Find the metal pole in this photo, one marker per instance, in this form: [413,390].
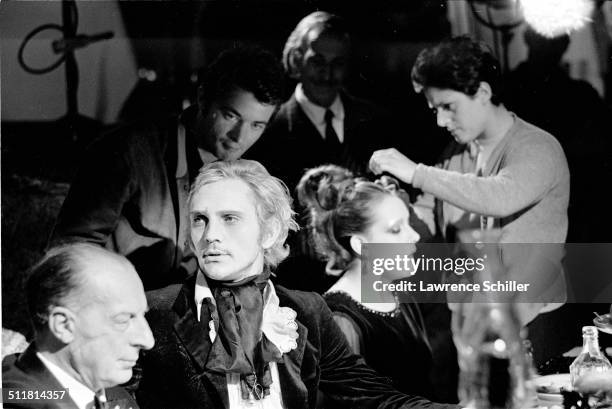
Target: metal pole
[69,17]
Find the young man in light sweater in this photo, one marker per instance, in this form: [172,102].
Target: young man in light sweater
[500,172]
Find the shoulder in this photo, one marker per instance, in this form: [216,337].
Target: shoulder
[361,107]
[277,126]
[309,306]
[529,137]
[282,117]
[286,109]
[15,375]
[136,136]
[119,397]
[163,298]
[161,302]
[356,102]
[336,299]
[11,374]
[299,299]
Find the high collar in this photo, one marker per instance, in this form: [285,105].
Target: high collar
[193,334]
[273,317]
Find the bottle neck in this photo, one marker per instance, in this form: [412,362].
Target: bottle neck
[590,345]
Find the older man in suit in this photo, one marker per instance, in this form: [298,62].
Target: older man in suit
[229,338]
[320,123]
[87,306]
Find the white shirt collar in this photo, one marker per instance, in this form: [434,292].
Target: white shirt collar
[315,112]
[79,393]
[202,291]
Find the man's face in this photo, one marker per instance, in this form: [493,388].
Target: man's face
[232,123]
[110,327]
[323,66]
[225,231]
[462,115]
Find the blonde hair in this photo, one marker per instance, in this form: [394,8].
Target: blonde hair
[273,202]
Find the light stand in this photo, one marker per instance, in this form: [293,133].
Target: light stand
[66,47]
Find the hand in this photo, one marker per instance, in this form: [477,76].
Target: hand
[393,162]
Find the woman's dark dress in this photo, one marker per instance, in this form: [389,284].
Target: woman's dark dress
[394,343]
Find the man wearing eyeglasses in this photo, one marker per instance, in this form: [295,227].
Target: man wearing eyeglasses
[131,192]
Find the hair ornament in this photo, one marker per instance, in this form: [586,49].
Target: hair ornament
[330,195]
[388,183]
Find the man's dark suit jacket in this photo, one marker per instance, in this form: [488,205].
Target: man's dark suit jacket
[126,197]
[174,372]
[26,371]
[291,143]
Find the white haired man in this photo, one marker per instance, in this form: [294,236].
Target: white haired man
[231,338]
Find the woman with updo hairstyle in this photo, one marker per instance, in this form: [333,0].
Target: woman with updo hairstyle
[345,212]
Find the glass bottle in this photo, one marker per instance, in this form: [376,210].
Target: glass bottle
[493,364]
[494,370]
[591,357]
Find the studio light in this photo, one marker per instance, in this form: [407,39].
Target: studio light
[552,18]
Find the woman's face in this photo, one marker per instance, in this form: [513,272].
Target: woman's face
[389,223]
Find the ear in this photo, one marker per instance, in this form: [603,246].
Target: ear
[295,63]
[484,92]
[271,233]
[62,324]
[355,242]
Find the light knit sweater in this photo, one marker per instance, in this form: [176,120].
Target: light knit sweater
[523,190]
[524,187]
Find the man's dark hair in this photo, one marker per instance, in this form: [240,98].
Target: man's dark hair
[50,282]
[459,64]
[252,69]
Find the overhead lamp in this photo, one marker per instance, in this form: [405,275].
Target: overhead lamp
[552,18]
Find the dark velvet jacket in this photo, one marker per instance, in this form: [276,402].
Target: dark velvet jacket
[126,197]
[174,375]
[27,372]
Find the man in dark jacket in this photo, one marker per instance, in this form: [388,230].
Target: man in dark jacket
[87,306]
[130,193]
[229,338]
